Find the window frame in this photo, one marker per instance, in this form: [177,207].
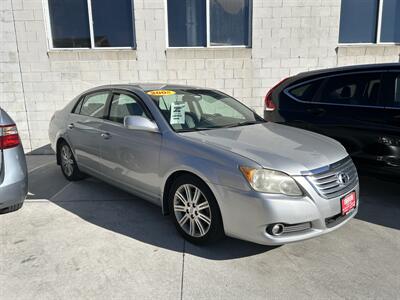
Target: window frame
[389,84]
[90,94]
[377,33]
[321,87]
[208,34]
[79,102]
[49,35]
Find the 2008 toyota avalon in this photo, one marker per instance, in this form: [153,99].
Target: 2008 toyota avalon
[209,161]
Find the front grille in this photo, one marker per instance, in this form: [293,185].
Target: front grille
[340,178]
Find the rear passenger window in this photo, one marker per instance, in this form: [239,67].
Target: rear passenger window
[355,89]
[307,91]
[94,104]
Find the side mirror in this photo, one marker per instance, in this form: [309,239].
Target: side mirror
[140,123]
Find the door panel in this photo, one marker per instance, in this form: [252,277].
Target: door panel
[130,157]
[391,140]
[353,114]
[84,130]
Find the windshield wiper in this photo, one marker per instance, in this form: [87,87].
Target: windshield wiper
[194,129]
[245,123]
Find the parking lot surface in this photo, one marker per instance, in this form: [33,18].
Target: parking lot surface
[89,240]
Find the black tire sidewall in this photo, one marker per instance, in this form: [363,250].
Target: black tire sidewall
[216,231]
[11,208]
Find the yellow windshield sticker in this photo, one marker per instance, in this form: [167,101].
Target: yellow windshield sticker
[161,93]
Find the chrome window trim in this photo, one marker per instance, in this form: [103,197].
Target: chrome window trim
[287,90]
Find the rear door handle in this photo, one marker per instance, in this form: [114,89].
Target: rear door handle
[70,126]
[106,135]
[316,111]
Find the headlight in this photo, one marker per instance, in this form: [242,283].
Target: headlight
[269,181]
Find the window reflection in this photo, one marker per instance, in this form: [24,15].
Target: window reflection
[229,22]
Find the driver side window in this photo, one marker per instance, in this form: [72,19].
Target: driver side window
[123,105]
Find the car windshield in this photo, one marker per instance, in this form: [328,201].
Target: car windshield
[201,109]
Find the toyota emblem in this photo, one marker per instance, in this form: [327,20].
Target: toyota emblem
[343,179]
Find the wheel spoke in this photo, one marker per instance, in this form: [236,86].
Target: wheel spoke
[203,206]
[204,218]
[180,208]
[184,220]
[188,193]
[196,196]
[181,197]
[191,227]
[200,226]
[69,167]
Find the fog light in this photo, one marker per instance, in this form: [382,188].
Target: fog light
[277,229]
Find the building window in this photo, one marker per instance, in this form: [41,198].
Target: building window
[390,25]
[369,21]
[209,23]
[91,24]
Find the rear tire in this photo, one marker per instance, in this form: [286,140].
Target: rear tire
[68,164]
[11,208]
[195,211]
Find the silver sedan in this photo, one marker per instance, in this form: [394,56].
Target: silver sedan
[13,170]
[209,161]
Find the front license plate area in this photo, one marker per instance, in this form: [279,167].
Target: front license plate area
[348,203]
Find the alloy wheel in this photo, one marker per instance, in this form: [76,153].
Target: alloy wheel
[192,210]
[67,162]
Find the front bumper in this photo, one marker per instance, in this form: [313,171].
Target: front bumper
[247,214]
[14,177]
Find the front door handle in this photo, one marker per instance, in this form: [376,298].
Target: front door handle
[106,135]
[70,126]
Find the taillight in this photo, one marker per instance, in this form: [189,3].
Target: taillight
[9,137]
[269,103]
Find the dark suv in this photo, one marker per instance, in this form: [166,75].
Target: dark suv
[358,106]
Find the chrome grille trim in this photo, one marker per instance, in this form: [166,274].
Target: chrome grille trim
[326,183]
[297,227]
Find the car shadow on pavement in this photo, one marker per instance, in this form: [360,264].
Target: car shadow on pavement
[113,209]
[380,200]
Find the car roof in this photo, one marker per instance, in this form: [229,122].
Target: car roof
[145,87]
[355,68]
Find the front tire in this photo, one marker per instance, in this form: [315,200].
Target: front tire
[11,208]
[195,211]
[68,164]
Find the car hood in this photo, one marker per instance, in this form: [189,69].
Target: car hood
[274,146]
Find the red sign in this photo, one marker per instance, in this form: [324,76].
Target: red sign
[348,203]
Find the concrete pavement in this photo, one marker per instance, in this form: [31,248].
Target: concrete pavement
[88,240]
